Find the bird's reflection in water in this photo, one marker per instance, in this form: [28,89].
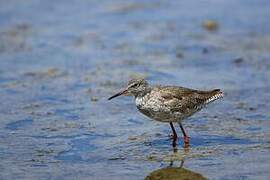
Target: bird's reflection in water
[175,172]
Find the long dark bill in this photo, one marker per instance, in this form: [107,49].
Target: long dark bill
[118,94]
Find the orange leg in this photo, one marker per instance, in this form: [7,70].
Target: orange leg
[186,138]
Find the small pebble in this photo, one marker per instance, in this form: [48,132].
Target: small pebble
[179,55]
[94,99]
[205,50]
[210,25]
[238,60]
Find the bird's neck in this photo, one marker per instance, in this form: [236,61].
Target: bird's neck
[141,99]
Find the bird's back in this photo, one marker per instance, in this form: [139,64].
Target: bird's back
[174,103]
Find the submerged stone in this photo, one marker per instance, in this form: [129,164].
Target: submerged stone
[174,173]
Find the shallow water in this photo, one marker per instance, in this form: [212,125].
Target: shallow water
[60,61]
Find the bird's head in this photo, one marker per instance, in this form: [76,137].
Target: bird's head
[135,88]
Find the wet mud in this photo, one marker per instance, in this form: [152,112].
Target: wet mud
[60,61]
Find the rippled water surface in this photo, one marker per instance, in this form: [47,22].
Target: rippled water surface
[61,60]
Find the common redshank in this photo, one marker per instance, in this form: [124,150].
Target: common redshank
[170,104]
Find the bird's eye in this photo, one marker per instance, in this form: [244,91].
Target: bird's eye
[134,85]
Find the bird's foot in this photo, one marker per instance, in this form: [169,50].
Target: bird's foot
[173,137]
[186,140]
[174,143]
[186,148]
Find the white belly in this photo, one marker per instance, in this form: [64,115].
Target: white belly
[155,109]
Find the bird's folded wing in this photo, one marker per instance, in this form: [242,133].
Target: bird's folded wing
[185,100]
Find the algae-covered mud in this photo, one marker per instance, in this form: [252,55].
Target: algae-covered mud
[61,60]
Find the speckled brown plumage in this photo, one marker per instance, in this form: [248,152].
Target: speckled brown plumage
[172,103]
[168,103]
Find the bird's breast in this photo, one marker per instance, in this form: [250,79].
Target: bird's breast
[152,107]
[141,101]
